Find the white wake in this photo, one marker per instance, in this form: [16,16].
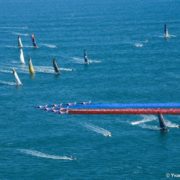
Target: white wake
[38,69]
[48,45]
[138,45]
[79,60]
[169,36]
[49,69]
[5,71]
[10,46]
[43,155]
[149,118]
[151,127]
[97,129]
[146,118]
[171,124]
[8,83]
[20,34]
[13,27]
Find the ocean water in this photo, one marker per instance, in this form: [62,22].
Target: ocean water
[130,62]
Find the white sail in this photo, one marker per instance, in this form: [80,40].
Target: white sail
[18,81]
[20,42]
[22,56]
[166,33]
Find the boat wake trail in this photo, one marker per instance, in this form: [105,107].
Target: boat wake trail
[49,69]
[39,69]
[78,60]
[8,83]
[5,71]
[169,36]
[97,129]
[16,47]
[12,27]
[43,155]
[171,125]
[20,34]
[21,69]
[146,118]
[52,46]
[151,127]
[9,46]
[44,69]
[149,118]
[138,45]
[66,69]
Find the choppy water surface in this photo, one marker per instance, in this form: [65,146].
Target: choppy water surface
[130,62]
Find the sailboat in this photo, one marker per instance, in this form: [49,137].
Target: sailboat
[55,65]
[22,56]
[86,61]
[31,68]
[162,123]
[20,45]
[166,33]
[18,81]
[34,41]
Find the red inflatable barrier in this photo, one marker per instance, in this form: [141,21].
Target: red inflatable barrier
[172,111]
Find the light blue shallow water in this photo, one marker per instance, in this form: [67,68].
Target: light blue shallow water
[130,63]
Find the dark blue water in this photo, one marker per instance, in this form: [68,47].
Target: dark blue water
[130,62]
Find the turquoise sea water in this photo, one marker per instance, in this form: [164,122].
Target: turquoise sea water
[130,63]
